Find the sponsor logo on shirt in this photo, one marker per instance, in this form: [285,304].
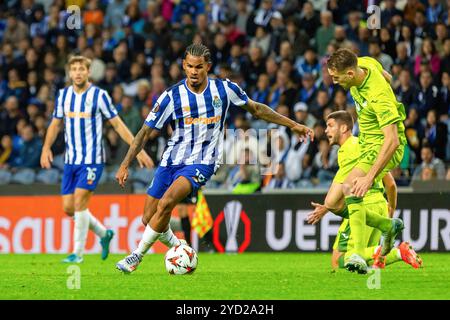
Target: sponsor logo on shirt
[202,120]
[73,114]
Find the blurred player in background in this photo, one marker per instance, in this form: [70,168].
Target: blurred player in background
[382,141]
[339,131]
[197,108]
[82,107]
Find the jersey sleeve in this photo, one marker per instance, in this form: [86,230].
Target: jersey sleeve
[367,62]
[58,112]
[106,106]
[385,108]
[161,112]
[237,96]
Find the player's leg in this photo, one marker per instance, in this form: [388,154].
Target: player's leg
[340,245]
[158,224]
[68,204]
[168,238]
[87,177]
[357,221]
[183,213]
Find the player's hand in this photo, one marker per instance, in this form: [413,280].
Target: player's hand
[361,185]
[46,158]
[144,160]
[122,175]
[303,131]
[319,211]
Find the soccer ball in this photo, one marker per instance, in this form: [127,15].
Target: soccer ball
[181,259]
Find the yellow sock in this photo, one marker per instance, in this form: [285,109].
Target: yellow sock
[357,220]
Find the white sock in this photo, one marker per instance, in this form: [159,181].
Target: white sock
[80,231]
[148,239]
[169,239]
[96,226]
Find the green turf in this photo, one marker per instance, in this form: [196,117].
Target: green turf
[244,276]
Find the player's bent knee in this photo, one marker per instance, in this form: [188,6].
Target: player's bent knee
[347,189]
[165,205]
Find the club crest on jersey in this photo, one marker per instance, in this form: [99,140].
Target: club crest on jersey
[217,102]
[88,103]
[186,109]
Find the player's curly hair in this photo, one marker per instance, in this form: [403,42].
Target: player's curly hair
[342,59]
[198,50]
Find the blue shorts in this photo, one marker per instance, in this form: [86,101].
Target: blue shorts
[197,174]
[83,176]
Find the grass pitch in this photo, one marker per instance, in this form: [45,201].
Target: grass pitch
[220,277]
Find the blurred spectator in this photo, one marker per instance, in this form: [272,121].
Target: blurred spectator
[325,32]
[262,40]
[429,161]
[428,96]
[309,19]
[406,92]
[324,165]
[412,6]
[16,30]
[245,177]
[302,116]
[389,12]
[308,90]
[429,54]
[376,53]
[30,150]
[130,115]
[414,131]
[5,151]
[282,92]
[262,91]
[436,134]
[10,117]
[298,38]
[308,63]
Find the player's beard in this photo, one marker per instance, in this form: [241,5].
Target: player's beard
[81,85]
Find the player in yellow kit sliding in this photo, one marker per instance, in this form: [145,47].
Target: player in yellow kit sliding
[339,131]
[382,140]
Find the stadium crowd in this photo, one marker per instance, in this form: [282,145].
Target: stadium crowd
[275,50]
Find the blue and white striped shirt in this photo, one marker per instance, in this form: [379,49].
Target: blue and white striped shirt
[83,116]
[197,119]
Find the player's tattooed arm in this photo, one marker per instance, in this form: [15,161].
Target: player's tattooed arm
[137,144]
[264,112]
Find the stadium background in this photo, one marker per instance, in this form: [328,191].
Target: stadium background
[275,50]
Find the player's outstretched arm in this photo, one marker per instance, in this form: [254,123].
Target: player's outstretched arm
[334,202]
[50,137]
[123,131]
[391,142]
[387,76]
[391,192]
[135,147]
[264,112]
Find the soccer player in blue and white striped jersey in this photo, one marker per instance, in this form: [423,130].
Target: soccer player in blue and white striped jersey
[196,108]
[81,108]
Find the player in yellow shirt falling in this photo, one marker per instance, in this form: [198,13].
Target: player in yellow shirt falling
[339,132]
[382,141]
